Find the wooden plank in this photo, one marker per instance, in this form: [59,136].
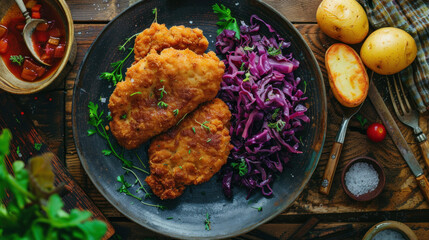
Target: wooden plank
[46,111]
[106,10]
[129,230]
[25,136]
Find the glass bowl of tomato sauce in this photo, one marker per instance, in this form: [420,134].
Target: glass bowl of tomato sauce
[54,42]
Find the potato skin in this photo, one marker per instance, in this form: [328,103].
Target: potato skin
[344,20]
[388,50]
[347,75]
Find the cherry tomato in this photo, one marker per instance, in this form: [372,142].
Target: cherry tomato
[376,132]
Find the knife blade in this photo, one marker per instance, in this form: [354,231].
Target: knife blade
[399,140]
[393,130]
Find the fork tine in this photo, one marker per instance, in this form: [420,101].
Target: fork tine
[392,98]
[398,94]
[403,92]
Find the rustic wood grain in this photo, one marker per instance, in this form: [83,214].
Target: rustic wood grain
[357,230]
[25,136]
[303,11]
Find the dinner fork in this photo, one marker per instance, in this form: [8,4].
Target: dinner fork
[407,115]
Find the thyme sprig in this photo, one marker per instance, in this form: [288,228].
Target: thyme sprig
[96,120]
[116,75]
[207,222]
[124,188]
[203,125]
[18,59]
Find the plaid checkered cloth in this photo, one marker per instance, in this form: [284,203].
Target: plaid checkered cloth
[413,17]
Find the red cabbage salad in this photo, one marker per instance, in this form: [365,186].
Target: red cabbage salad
[267,106]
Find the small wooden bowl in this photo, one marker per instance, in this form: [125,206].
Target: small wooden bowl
[12,84]
[381,179]
[390,225]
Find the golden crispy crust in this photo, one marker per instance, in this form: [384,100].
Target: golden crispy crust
[188,80]
[158,37]
[182,156]
[347,75]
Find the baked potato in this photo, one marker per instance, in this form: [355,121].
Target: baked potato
[347,75]
[344,20]
[388,50]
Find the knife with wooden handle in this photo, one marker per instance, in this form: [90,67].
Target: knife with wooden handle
[398,139]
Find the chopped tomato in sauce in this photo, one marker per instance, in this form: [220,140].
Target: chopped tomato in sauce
[48,39]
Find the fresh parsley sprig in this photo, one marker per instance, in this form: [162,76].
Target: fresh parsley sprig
[207,222]
[29,214]
[122,47]
[96,120]
[116,75]
[274,51]
[241,167]
[124,188]
[278,126]
[203,125]
[18,59]
[226,21]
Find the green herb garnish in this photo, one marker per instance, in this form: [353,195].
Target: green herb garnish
[124,188]
[207,222]
[258,208]
[122,47]
[193,130]
[169,218]
[116,75]
[278,126]
[96,120]
[18,152]
[203,125]
[124,116]
[242,67]
[162,92]
[241,167]
[361,120]
[181,119]
[37,146]
[106,152]
[176,112]
[274,51]
[209,140]
[247,78]
[275,114]
[155,12]
[247,48]
[162,104]
[305,86]
[135,93]
[18,59]
[226,21]
[189,152]
[33,209]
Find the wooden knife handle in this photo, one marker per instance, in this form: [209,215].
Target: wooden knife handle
[424,186]
[328,176]
[424,146]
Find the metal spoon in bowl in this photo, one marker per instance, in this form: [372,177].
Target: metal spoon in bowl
[30,25]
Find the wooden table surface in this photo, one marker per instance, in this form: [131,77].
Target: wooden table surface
[401,200]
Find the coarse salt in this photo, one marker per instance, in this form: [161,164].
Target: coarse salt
[361,178]
[388,235]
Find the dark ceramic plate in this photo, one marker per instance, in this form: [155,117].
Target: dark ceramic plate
[188,212]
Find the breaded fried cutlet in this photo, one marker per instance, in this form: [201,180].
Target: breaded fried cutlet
[159,90]
[192,152]
[159,37]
